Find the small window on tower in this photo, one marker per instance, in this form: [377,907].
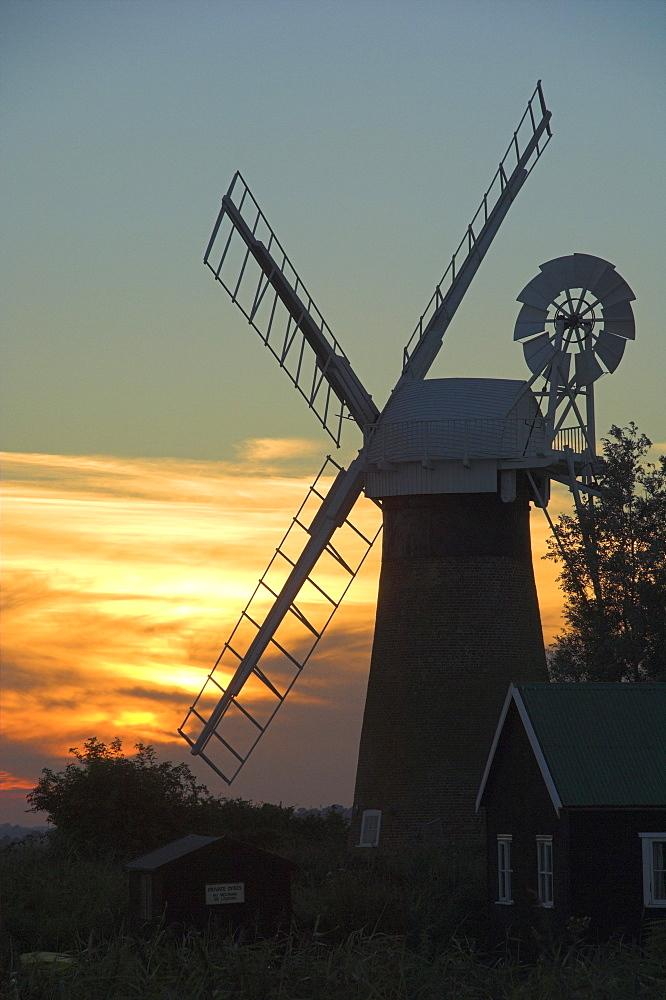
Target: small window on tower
[370,828]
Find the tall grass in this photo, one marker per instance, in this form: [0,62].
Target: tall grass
[53,898]
[363,929]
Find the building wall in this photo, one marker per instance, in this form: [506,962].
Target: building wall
[607,868]
[517,802]
[450,476]
[457,620]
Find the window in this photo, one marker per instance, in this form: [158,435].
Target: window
[370,827]
[654,868]
[504,868]
[545,870]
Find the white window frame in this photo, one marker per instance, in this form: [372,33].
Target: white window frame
[650,888]
[504,869]
[370,824]
[545,870]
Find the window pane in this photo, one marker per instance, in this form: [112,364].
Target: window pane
[501,868]
[658,873]
[370,828]
[504,870]
[545,871]
[145,896]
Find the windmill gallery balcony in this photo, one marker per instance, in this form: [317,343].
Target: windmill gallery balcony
[455,435]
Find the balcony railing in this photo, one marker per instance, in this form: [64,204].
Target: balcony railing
[571,437]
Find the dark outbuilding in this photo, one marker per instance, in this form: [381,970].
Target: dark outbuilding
[574,793]
[201,880]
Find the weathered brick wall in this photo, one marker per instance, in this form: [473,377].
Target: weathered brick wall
[457,620]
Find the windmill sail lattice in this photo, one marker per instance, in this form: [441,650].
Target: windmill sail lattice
[252,677]
[258,667]
[248,260]
[528,143]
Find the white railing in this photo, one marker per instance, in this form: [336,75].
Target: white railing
[571,437]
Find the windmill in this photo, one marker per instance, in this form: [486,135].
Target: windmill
[454,465]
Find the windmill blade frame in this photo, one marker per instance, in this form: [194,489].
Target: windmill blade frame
[251,641]
[424,344]
[281,310]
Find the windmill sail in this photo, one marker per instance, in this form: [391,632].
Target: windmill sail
[248,260]
[305,583]
[525,149]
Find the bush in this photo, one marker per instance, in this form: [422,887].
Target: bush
[105,804]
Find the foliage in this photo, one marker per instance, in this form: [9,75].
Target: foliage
[612,554]
[273,827]
[105,804]
[427,895]
[53,898]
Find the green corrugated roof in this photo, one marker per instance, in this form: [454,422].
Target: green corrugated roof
[604,744]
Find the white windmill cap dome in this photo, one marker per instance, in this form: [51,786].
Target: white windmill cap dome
[453,399]
[450,435]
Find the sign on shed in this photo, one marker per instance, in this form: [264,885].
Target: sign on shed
[229,892]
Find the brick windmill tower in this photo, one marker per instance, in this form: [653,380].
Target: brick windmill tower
[457,611]
[453,464]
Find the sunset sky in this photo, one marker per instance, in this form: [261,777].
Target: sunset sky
[153,452]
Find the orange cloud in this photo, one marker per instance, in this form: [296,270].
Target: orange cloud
[125,577]
[9,782]
[276,449]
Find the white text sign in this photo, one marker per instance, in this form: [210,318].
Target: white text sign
[226,892]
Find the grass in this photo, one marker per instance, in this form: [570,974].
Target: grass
[363,929]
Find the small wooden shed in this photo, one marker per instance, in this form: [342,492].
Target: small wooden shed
[201,879]
[574,793]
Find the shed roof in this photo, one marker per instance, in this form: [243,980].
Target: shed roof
[597,744]
[170,852]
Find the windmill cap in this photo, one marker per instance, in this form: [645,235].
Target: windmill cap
[431,427]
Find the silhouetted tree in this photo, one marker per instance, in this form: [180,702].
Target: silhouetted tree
[612,555]
[107,803]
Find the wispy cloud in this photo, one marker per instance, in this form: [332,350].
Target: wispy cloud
[122,580]
[8,782]
[275,450]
